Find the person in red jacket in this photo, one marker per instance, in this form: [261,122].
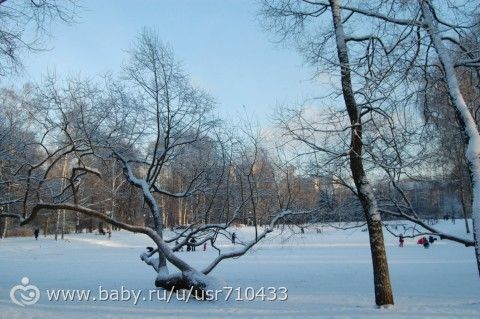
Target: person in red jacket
[424,241]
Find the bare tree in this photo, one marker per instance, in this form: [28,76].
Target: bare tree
[399,47]
[289,18]
[149,123]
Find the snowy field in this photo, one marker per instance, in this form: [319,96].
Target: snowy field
[327,275]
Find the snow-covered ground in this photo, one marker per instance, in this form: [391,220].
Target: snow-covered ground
[327,275]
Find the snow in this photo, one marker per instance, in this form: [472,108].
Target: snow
[327,275]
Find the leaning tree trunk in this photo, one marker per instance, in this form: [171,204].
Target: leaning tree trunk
[158,223]
[466,119]
[383,289]
[162,260]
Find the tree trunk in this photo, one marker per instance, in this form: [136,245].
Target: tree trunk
[45,227]
[464,207]
[63,225]
[57,225]
[381,276]
[466,119]
[5,228]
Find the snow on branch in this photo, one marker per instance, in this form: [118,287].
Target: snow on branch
[147,194]
[253,242]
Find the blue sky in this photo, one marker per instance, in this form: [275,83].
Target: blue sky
[220,43]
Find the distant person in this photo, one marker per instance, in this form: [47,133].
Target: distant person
[204,246]
[234,237]
[401,240]
[36,232]
[425,243]
[193,243]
